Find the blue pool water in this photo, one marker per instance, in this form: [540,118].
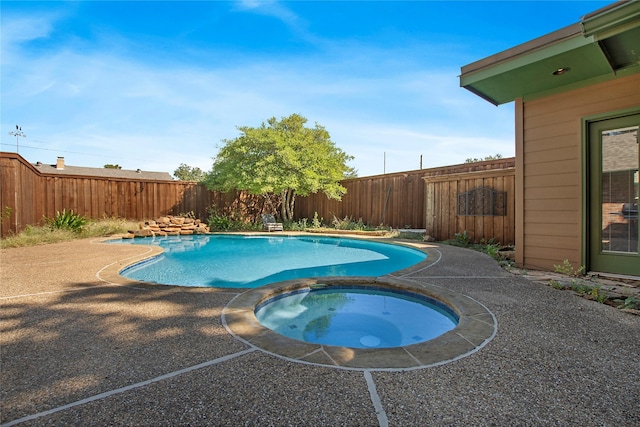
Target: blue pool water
[356,317]
[239,261]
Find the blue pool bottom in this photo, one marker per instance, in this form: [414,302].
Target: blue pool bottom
[356,317]
[249,261]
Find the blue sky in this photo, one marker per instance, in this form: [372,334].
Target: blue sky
[151,85]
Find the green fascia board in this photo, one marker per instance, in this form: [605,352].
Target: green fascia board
[533,72]
[603,46]
[618,19]
[523,60]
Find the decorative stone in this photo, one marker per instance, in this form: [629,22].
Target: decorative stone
[170,226]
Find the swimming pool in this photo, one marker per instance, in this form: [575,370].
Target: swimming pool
[249,261]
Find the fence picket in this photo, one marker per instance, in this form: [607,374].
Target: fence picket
[420,199]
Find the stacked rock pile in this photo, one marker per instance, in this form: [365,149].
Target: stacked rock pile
[171,226]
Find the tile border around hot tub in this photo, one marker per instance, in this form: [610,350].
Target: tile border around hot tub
[476,327]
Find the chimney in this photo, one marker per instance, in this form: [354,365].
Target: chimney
[60,163]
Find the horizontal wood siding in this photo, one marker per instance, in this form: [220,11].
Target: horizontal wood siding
[553,168]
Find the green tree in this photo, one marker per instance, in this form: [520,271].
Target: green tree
[473,160]
[108,166]
[188,173]
[279,160]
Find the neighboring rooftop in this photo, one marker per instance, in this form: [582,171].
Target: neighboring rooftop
[59,168]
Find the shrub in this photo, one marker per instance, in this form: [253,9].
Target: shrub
[298,225]
[348,224]
[108,227]
[632,303]
[32,236]
[66,221]
[462,239]
[234,221]
[317,222]
[37,235]
[491,248]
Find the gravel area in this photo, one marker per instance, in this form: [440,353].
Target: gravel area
[76,349]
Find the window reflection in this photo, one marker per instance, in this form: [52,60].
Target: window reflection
[620,190]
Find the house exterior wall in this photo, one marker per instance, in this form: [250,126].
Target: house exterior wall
[550,185]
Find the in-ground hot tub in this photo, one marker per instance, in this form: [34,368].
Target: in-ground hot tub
[356,316]
[475,327]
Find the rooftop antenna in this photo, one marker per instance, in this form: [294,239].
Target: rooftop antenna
[18,134]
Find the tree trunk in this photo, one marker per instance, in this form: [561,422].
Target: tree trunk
[292,201]
[283,205]
[287,202]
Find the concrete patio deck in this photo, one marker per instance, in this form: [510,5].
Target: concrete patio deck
[80,346]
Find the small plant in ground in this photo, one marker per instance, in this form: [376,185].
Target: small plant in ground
[598,295]
[629,303]
[348,224]
[316,223]
[66,221]
[507,264]
[189,214]
[298,225]
[567,269]
[556,285]
[492,249]
[580,288]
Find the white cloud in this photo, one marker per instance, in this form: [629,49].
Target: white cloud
[18,30]
[117,108]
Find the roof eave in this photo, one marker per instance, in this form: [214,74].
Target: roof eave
[525,71]
[524,49]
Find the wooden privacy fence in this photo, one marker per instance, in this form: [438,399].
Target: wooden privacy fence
[481,203]
[392,199]
[427,198]
[27,195]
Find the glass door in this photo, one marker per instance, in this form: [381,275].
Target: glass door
[613,217]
